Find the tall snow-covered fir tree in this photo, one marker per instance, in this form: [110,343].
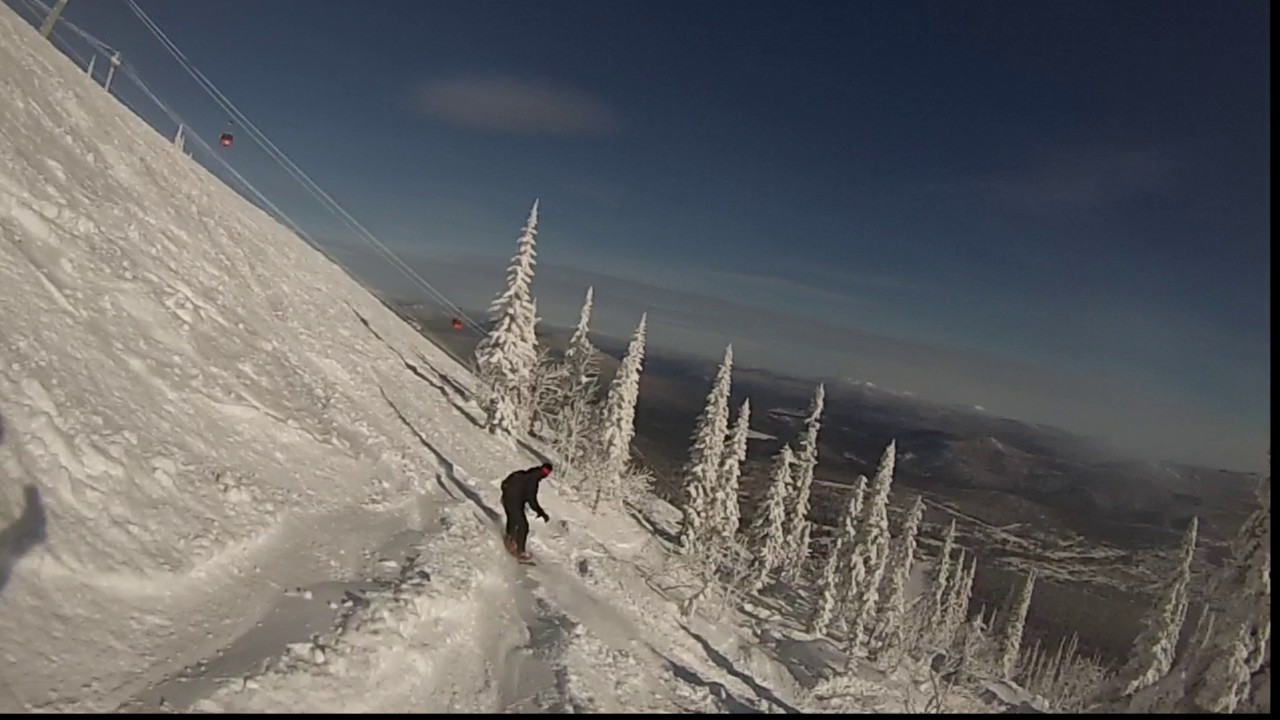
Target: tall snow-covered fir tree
[580,355]
[872,550]
[935,599]
[889,626]
[617,426]
[1219,678]
[1154,648]
[507,356]
[726,514]
[959,592]
[1015,621]
[579,382]
[836,570]
[766,535]
[701,471]
[806,464]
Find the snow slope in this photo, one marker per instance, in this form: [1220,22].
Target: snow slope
[231,480]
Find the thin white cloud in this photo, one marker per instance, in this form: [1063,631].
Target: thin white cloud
[502,104]
[1083,179]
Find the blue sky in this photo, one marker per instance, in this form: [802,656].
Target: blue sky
[1055,210]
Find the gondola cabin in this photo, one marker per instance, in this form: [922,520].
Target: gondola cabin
[226,140]
[457,324]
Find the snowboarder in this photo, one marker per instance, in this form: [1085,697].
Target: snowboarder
[520,488]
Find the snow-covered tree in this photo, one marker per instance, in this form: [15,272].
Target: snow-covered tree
[944,633]
[617,427]
[1157,642]
[972,637]
[1225,683]
[725,514]
[806,464]
[1202,632]
[872,550]
[580,355]
[1014,622]
[545,392]
[506,357]
[836,570]
[935,600]
[889,626]
[766,536]
[702,469]
[579,380]
[958,598]
[1218,677]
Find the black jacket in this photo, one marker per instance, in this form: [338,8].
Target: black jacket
[521,488]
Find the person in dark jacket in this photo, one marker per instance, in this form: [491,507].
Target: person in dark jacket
[520,489]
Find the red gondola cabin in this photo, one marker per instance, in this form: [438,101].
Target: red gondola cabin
[457,324]
[226,140]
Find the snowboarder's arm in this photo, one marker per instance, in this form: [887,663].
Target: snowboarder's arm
[533,503]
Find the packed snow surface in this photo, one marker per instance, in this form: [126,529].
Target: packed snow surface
[232,480]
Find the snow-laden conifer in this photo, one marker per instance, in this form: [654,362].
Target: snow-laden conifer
[889,626]
[579,383]
[701,471]
[618,418]
[1218,677]
[766,535]
[1015,621]
[835,578]
[508,354]
[726,513]
[872,549]
[935,599]
[806,465]
[1154,648]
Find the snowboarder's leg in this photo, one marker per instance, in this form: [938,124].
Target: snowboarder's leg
[514,516]
[521,534]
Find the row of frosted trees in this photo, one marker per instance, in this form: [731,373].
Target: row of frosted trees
[857,582]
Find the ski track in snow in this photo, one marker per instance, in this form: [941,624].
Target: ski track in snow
[232,480]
